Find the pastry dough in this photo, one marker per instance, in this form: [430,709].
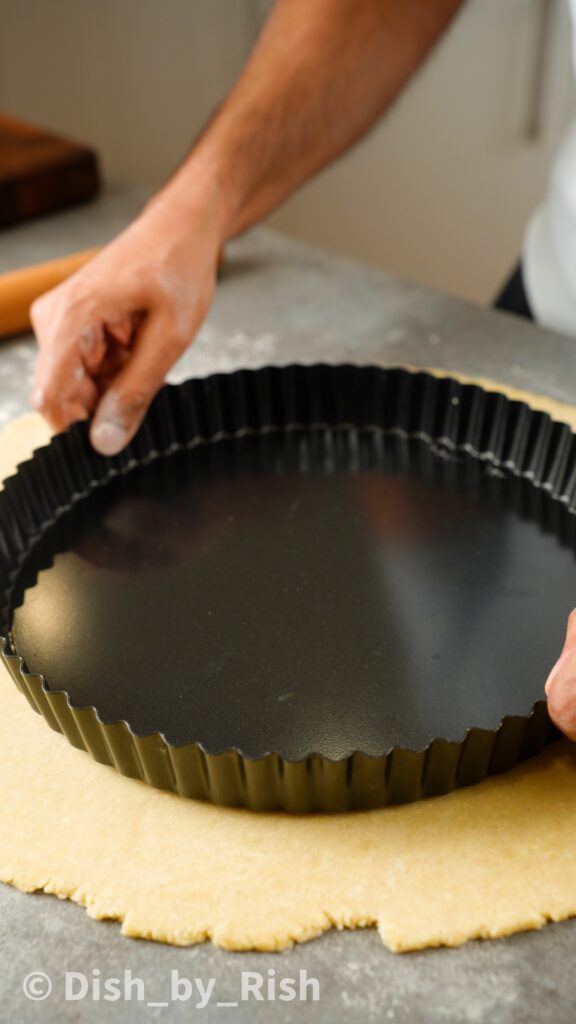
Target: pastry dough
[486,861]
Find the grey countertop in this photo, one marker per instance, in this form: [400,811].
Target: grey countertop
[281,302]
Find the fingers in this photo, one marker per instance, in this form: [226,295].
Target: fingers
[124,405]
[69,350]
[108,336]
[75,401]
[75,343]
[561,684]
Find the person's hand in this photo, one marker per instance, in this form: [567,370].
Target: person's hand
[108,336]
[561,685]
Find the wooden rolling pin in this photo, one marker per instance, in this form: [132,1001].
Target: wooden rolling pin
[19,288]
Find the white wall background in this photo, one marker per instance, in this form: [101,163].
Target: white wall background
[136,78]
[439,192]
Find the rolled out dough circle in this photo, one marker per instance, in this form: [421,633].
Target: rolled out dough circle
[481,862]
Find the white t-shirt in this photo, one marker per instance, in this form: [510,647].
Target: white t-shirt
[549,256]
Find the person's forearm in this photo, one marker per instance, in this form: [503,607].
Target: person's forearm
[321,73]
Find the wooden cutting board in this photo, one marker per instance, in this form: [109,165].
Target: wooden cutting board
[41,172]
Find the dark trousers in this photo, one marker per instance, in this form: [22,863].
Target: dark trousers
[512,298]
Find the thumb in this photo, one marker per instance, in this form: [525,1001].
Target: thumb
[561,684]
[124,404]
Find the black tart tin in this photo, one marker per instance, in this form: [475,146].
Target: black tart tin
[308,588]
